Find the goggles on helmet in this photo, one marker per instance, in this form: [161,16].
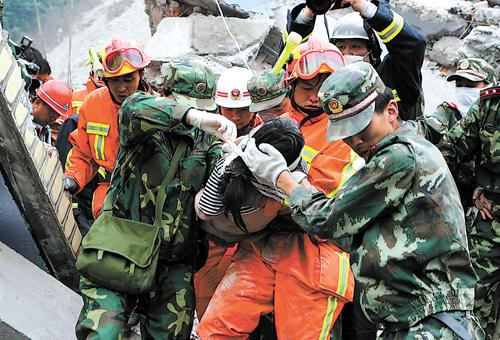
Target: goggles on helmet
[115,61]
[315,62]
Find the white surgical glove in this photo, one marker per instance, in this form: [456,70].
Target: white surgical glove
[265,162]
[213,124]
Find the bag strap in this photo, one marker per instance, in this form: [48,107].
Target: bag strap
[161,196]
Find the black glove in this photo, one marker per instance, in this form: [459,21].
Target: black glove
[70,185]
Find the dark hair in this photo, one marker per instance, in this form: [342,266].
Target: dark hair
[282,133]
[383,99]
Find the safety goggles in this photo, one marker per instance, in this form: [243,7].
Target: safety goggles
[116,59]
[315,62]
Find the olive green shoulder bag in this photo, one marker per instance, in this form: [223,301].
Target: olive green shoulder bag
[122,254]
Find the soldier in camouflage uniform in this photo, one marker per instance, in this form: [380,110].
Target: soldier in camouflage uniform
[402,213]
[149,129]
[269,94]
[472,75]
[477,138]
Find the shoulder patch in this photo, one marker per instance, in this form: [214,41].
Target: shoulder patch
[490,92]
[451,105]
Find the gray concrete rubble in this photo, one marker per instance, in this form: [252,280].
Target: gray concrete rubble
[216,39]
[483,42]
[35,304]
[445,51]
[489,16]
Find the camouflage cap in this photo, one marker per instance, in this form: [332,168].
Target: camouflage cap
[267,90]
[348,97]
[474,69]
[191,83]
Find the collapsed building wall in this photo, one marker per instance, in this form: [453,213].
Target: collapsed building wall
[34,177]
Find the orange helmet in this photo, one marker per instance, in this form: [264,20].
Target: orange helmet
[57,95]
[123,57]
[312,58]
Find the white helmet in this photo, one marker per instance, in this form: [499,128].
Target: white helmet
[232,91]
[350,26]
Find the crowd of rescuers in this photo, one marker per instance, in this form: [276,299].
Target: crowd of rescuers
[313,201]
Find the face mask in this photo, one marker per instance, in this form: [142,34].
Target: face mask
[351,59]
[466,96]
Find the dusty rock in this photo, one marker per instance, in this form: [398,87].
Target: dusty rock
[490,16]
[211,37]
[483,42]
[445,51]
[172,39]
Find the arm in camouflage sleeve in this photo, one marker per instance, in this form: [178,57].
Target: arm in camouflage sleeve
[462,142]
[372,191]
[143,114]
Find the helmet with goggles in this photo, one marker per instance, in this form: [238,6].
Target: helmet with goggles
[313,58]
[123,57]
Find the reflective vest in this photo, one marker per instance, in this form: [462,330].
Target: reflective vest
[329,163]
[97,138]
[79,96]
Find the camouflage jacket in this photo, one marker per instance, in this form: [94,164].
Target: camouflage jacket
[409,247]
[149,129]
[477,137]
[436,125]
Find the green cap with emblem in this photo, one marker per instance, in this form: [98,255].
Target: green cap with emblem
[348,97]
[474,69]
[267,90]
[191,83]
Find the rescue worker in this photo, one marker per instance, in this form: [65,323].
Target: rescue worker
[233,102]
[355,35]
[268,94]
[97,140]
[151,128]
[233,99]
[401,213]
[472,75]
[93,82]
[52,101]
[475,138]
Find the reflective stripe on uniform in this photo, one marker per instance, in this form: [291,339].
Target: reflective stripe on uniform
[99,147]
[102,172]
[98,128]
[327,321]
[343,280]
[347,172]
[77,104]
[101,131]
[396,95]
[74,205]
[393,29]
[68,162]
[308,154]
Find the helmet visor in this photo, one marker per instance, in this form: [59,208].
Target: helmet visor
[316,62]
[116,60]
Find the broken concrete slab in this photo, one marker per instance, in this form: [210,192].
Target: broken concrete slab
[490,16]
[483,42]
[33,302]
[172,39]
[445,51]
[216,40]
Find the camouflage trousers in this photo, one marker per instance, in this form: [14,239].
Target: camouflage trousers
[431,328]
[484,246]
[168,308]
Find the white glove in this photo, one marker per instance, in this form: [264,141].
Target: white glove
[265,162]
[299,176]
[213,124]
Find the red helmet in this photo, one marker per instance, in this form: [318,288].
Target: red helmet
[123,57]
[312,58]
[57,95]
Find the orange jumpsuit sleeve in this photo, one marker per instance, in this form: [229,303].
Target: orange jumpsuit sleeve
[81,166]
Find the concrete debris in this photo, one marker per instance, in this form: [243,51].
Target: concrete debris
[483,42]
[490,16]
[445,51]
[172,39]
[217,41]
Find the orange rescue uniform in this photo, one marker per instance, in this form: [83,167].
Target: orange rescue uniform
[306,283]
[79,96]
[97,142]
